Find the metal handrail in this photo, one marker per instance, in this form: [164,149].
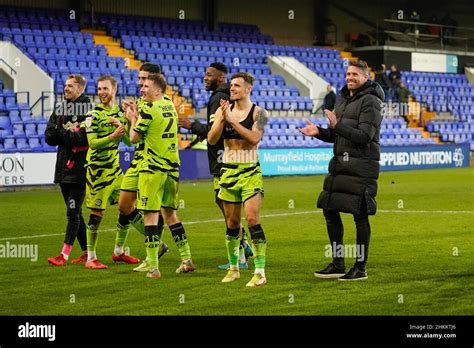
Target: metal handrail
[27,96]
[8,65]
[43,98]
[427,24]
[296,72]
[441,36]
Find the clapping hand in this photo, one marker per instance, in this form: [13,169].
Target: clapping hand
[310,130]
[115,122]
[225,106]
[131,110]
[331,116]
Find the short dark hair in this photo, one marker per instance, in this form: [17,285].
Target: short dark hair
[151,68]
[362,65]
[159,80]
[248,77]
[110,78]
[79,79]
[219,66]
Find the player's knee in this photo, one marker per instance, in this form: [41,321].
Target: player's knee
[253,220]
[257,234]
[99,213]
[125,208]
[170,217]
[233,223]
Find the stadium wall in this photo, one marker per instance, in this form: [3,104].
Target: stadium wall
[402,56]
[183,9]
[26,71]
[274,18]
[24,169]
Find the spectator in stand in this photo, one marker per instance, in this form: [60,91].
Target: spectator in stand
[403,93]
[434,29]
[330,98]
[382,79]
[414,17]
[395,76]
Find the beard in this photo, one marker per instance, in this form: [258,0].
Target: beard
[212,86]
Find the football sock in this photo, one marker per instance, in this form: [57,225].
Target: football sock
[259,246]
[232,244]
[92,235]
[152,241]
[121,234]
[179,236]
[66,250]
[244,234]
[241,253]
[136,219]
[161,226]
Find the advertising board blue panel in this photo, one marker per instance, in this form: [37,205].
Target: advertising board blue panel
[309,161]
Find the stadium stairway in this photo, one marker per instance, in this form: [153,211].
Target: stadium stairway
[115,50]
[451,98]
[113,47]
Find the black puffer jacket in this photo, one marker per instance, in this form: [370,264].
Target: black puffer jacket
[63,130]
[354,169]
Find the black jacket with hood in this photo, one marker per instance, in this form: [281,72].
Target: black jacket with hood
[63,131]
[354,169]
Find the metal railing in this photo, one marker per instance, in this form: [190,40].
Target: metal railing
[409,31]
[294,71]
[12,71]
[27,93]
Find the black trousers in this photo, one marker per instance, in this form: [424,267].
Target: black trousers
[336,236]
[73,195]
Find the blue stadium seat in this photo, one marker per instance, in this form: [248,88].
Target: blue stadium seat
[22,145]
[35,144]
[18,130]
[5,122]
[30,130]
[9,145]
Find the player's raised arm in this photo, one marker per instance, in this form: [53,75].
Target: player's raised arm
[131,113]
[217,126]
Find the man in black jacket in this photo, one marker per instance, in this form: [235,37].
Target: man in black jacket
[329,99]
[382,79]
[63,130]
[215,80]
[351,185]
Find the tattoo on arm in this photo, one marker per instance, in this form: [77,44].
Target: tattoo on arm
[261,119]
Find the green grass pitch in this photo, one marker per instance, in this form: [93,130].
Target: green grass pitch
[420,261]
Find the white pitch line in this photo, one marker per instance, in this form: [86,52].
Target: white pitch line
[269,216]
[427,211]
